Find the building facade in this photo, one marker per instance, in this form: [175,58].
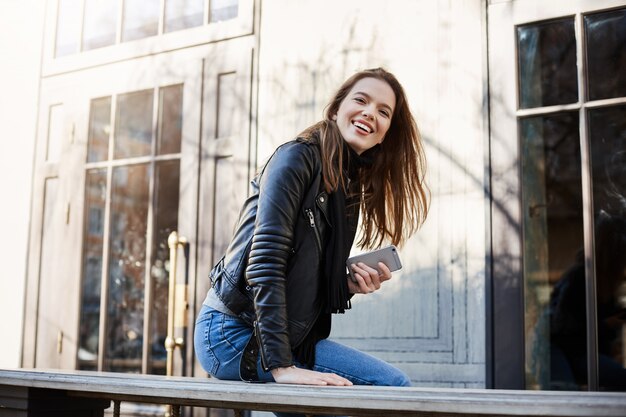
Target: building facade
[152,116]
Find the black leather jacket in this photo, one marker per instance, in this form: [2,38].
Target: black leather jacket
[270,274]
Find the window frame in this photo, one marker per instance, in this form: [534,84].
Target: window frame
[207,33]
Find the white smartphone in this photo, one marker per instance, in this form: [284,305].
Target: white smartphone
[387,255]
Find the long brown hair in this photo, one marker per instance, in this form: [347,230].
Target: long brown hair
[394,201]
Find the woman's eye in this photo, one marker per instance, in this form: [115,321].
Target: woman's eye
[359,100]
[384,113]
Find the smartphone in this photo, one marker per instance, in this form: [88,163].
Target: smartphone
[387,255]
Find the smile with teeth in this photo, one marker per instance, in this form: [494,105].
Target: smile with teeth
[362,126]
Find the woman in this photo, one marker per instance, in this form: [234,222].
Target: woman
[267,316]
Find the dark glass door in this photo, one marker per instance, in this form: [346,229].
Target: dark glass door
[569,111]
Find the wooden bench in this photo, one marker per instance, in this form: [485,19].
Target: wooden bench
[83,393]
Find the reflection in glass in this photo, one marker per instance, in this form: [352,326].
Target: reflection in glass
[606,54]
[607,129]
[69,19]
[141,19]
[220,10]
[95,197]
[99,129]
[553,241]
[183,14]
[100,23]
[125,304]
[547,63]
[170,119]
[165,221]
[133,124]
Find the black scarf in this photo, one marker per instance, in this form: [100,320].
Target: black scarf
[344,216]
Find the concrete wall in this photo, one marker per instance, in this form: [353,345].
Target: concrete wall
[430,318]
[21,28]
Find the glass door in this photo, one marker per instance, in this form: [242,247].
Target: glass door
[116,171]
[132,197]
[128,154]
[563,252]
[172,158]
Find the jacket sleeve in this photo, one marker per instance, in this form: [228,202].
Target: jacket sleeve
[282,187]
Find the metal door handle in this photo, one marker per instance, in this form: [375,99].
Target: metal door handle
[177,303]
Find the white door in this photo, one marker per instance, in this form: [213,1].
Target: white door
[126,132]
[128,153]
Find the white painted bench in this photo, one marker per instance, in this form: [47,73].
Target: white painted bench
[95,391]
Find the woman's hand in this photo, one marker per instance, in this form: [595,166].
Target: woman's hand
[368,279]
[293,375]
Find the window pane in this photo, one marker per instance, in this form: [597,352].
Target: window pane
[125,304]
[170,119]
[133,124]
[553,243]
[220,10]
[141,19]
[68,28]
[547,63]
[183,14]
[99,129]
[95,198]
[606,54]
[165,221]
[100,23]
[607,128]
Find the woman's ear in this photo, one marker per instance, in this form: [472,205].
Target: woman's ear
[334,117]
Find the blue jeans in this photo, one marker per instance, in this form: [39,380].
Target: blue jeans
[220,339]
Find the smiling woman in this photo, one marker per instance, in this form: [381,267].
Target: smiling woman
[268,314]
[364,116]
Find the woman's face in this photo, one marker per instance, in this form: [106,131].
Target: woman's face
[364,115]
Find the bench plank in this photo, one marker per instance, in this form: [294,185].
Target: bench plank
[356,400]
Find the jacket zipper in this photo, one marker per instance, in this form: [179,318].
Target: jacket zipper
[257,334]
[309,213]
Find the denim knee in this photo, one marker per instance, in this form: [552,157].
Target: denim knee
[401,380]
[395,378]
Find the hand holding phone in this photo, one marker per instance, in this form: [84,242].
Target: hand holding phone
[387,255]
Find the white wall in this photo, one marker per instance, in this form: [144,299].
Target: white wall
[21,28]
